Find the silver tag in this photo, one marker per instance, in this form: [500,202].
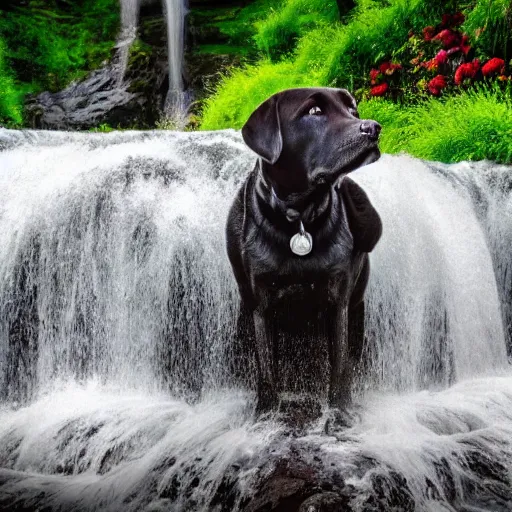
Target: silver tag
[301,243]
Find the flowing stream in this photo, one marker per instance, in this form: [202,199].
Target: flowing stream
[117,313]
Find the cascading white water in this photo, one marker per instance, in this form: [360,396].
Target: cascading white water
[129,14]
[175,11]
[129,23]
[117,305]
[439,287]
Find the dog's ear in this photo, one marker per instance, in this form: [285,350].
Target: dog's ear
[262,131]
[363,220]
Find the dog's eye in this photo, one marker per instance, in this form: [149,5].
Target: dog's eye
[354,112]
[315,111]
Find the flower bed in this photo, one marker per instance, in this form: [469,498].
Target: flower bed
[433,62]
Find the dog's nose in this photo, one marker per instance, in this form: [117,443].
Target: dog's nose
[371,128]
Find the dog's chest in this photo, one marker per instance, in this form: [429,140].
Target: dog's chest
[285,275]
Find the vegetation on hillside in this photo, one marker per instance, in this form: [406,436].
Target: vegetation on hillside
[46,44]
[389,49]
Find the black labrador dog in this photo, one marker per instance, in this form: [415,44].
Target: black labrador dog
[298,235]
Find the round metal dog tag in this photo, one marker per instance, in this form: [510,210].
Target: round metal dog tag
[301,243]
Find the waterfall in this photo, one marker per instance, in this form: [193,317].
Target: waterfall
[129,23]
[129,15]
[175,107]
[117,313]
[442,295]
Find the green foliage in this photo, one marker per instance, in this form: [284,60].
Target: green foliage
[490,25]
[244,89]
[474,125]
[289,20]
[48,44]
[241,28]
[234,24]
[102,128]
[331,54]
[374,33]
[54,47]
[10,111]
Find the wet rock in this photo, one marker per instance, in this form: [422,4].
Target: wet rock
[95,101]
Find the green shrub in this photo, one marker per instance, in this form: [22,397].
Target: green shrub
[244,89]
[288,21]
[490,27]
[474,125]
[348,52]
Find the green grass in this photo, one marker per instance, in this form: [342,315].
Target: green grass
[474,125]
[246,88]
[290,20]
[489,25]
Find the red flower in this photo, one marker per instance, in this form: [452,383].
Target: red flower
[468,70]
[431,65]
[374,75]
[449,38]
[441,57]
[452,20]
[493,66]
[389,68]
[428,33]
[437,84]
[384,67]
[464,45]
[379,90]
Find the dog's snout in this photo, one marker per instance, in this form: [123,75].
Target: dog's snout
[371,128]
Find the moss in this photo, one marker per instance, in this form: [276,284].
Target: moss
[140,54]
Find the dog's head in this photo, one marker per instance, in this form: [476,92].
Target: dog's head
[310,137]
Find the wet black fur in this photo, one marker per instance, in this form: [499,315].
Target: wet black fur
[307,140]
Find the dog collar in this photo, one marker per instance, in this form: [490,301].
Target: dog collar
[301,243]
